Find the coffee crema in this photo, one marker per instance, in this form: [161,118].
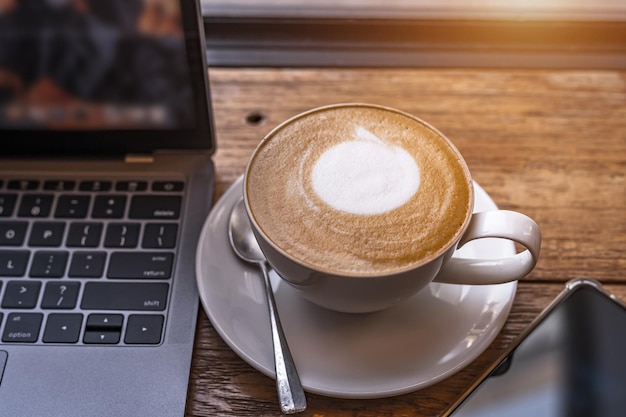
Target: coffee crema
[359,190]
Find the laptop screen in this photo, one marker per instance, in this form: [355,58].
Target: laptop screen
[123,75]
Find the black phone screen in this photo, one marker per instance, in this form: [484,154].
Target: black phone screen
[573,363]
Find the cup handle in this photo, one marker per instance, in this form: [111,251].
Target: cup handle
[496,224]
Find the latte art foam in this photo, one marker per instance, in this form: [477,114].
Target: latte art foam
[358,190]
[366,176]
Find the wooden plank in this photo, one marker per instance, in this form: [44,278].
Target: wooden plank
[551,144]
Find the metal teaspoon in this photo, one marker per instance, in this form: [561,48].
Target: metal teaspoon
[290,392]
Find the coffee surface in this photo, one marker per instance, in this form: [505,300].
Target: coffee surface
[358,190]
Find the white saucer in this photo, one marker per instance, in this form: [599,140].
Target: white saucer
[408,347]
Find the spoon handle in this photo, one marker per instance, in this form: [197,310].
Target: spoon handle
[290,392]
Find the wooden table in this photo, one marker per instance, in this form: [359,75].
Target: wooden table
[551,144]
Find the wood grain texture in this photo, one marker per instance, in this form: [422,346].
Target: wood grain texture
[551,144]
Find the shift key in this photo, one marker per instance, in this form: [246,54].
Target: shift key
[125,296]
[141,265]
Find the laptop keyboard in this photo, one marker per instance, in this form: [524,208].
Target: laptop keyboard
[87,262]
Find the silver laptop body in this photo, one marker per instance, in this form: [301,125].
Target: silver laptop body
[105,180]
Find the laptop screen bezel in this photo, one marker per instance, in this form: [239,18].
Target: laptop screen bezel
[122,142]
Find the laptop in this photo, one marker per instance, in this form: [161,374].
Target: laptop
[105,180]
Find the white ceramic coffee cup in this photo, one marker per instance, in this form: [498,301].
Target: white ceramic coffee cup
[358,294]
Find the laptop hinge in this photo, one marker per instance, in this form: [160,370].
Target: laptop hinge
[139,159]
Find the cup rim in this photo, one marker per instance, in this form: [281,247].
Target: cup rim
[360,275]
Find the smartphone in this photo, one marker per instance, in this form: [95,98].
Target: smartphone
[570,362]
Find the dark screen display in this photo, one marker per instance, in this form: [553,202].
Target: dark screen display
[572,364]
[93,65]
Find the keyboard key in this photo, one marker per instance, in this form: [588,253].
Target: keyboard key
[22,327]
[122,235]
[148,265]
[105,322]
[13,262]
[168,186]
[72,207]
[7,204]
[47,234]
[21,294]
[87,265]
[59,185]
[144,329]
[23,185]
[60,295]
[109,207]
[155,207]
[35,205]
[159,236]
[125,296]
[102,337]
[84,235]
[96,186]
[12,233]
[131,186]
[49,264]
[62,328]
